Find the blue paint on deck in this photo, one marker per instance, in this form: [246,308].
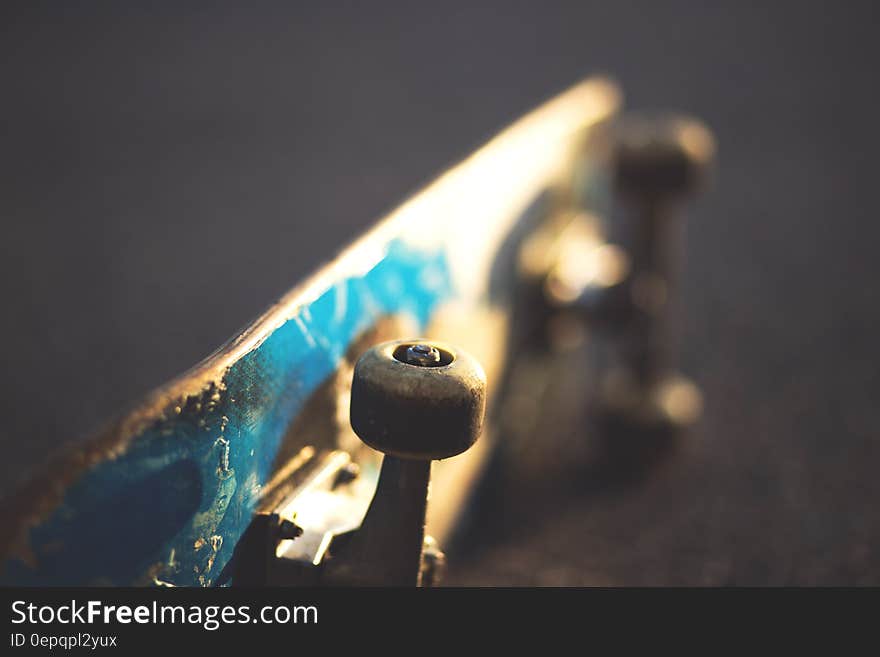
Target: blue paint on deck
[172,507]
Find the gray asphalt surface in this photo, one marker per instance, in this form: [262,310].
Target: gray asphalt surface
[167,171]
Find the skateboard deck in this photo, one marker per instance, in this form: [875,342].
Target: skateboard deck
[162,495]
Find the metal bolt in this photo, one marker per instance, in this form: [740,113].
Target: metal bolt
[346,475]
[288,530]
[423,355]
[433,563]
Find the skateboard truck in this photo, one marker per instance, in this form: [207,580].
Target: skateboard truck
[414,401]
[657,162]
[611,267]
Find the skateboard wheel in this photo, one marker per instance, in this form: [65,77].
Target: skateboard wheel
[672,403]
[661,157]
[417,399]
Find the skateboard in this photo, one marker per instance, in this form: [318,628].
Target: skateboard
[249,460]
[164,493]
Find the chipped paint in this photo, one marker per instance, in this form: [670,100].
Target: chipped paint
[192,464]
